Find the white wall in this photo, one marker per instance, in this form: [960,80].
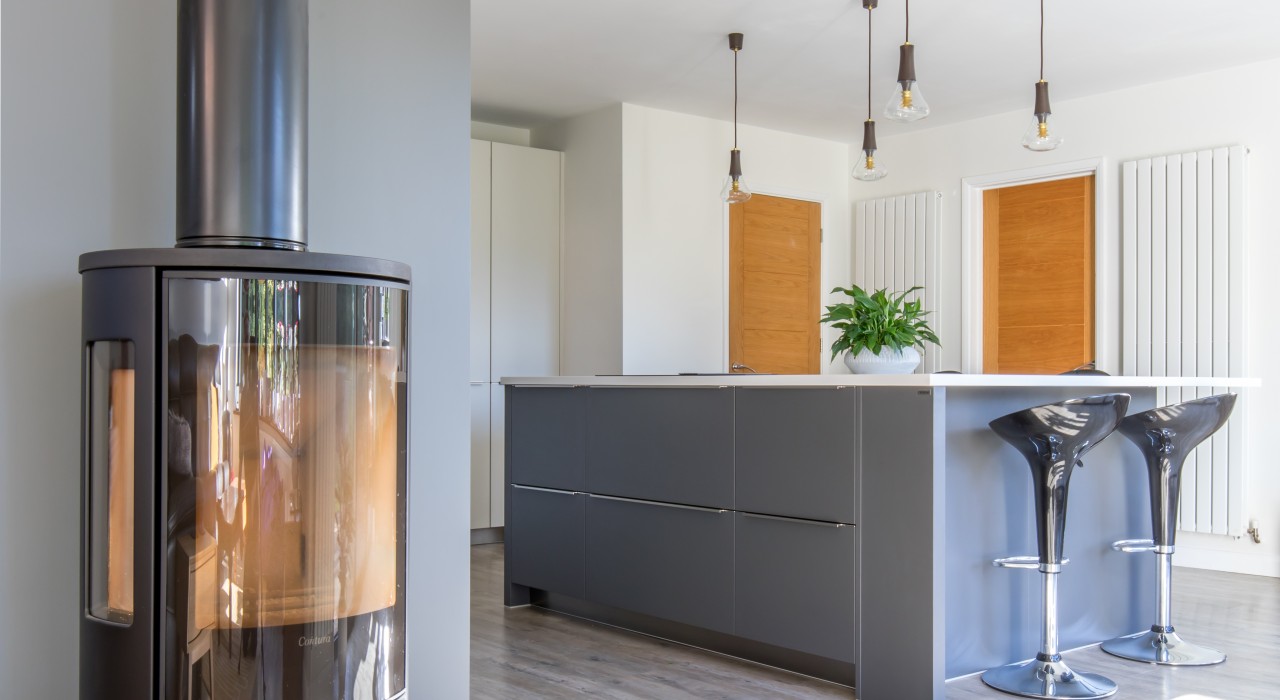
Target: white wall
[675,244]
[1212,109]
[513,135]
[591,256]
[88,140]
[646,234]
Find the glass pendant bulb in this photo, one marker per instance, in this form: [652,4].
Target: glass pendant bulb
[867,169]
[735,190]
[1040,135]
[908,103]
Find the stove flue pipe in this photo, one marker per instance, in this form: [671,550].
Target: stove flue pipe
[242,123]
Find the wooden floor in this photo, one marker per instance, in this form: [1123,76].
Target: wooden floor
[530,653]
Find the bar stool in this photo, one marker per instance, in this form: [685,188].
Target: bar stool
[1053,438]
[1166,436]
[1088,369]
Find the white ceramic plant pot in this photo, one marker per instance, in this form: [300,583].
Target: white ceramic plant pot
[888,361]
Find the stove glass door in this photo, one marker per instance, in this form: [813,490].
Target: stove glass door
[285,479]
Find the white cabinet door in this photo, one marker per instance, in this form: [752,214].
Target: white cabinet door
[497,455]
[526,262]
[480,468]
[480,249]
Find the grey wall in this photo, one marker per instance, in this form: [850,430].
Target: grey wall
[88,146]
[88,151]
[390,177]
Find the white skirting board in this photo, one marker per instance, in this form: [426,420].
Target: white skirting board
[1236,555]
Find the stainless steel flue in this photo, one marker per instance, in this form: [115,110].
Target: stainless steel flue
[242,123]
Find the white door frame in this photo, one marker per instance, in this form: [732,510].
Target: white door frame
[1106,296]
[788,193]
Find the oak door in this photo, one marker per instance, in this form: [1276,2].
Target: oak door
[1038,277]
[775,258]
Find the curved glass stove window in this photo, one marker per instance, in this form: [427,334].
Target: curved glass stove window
[285,469]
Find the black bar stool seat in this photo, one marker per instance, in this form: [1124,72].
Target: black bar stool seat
[1166,436]
[1053,438]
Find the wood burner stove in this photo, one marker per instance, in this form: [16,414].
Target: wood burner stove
[245,407]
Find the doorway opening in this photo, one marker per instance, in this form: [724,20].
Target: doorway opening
[1102,296]
[775,276]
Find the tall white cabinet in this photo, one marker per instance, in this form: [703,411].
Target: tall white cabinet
[515,297]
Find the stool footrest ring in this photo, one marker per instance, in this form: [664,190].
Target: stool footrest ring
[1134,546]
[1023,562]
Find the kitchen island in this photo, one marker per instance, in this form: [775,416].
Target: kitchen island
[835,525]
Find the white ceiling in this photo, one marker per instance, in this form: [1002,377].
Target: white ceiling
[803,65]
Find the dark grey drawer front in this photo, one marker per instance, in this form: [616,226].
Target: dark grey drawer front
[547,438]
[672,445]
[797,586]
[797,453]
[666,561]
[546,540]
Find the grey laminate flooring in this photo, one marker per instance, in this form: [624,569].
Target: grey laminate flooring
[1236,614]
[529,653]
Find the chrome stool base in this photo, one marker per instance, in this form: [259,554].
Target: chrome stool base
[1053,438]
[1165,648]
[1048,679]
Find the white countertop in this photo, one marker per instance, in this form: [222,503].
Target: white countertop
[905,380]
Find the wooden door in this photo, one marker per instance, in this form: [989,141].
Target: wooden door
[1038,277]
[775,259]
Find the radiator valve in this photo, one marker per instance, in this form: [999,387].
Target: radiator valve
[1253,531]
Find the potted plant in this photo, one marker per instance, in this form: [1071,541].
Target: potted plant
[879,332]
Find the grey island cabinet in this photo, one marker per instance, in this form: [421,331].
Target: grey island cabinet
[838,526]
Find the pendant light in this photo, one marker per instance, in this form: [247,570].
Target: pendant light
[735,188]
[1038,136]
[867,169]
[908,103]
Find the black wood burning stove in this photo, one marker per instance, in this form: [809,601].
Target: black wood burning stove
[245,405]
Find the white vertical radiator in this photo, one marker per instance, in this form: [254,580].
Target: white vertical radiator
[895,247]
[1183,281]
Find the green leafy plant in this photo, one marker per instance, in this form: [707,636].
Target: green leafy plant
[877,320]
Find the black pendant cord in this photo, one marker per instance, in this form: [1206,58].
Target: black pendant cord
[1042,41]
[869,63]
[907,38]
[735,100]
